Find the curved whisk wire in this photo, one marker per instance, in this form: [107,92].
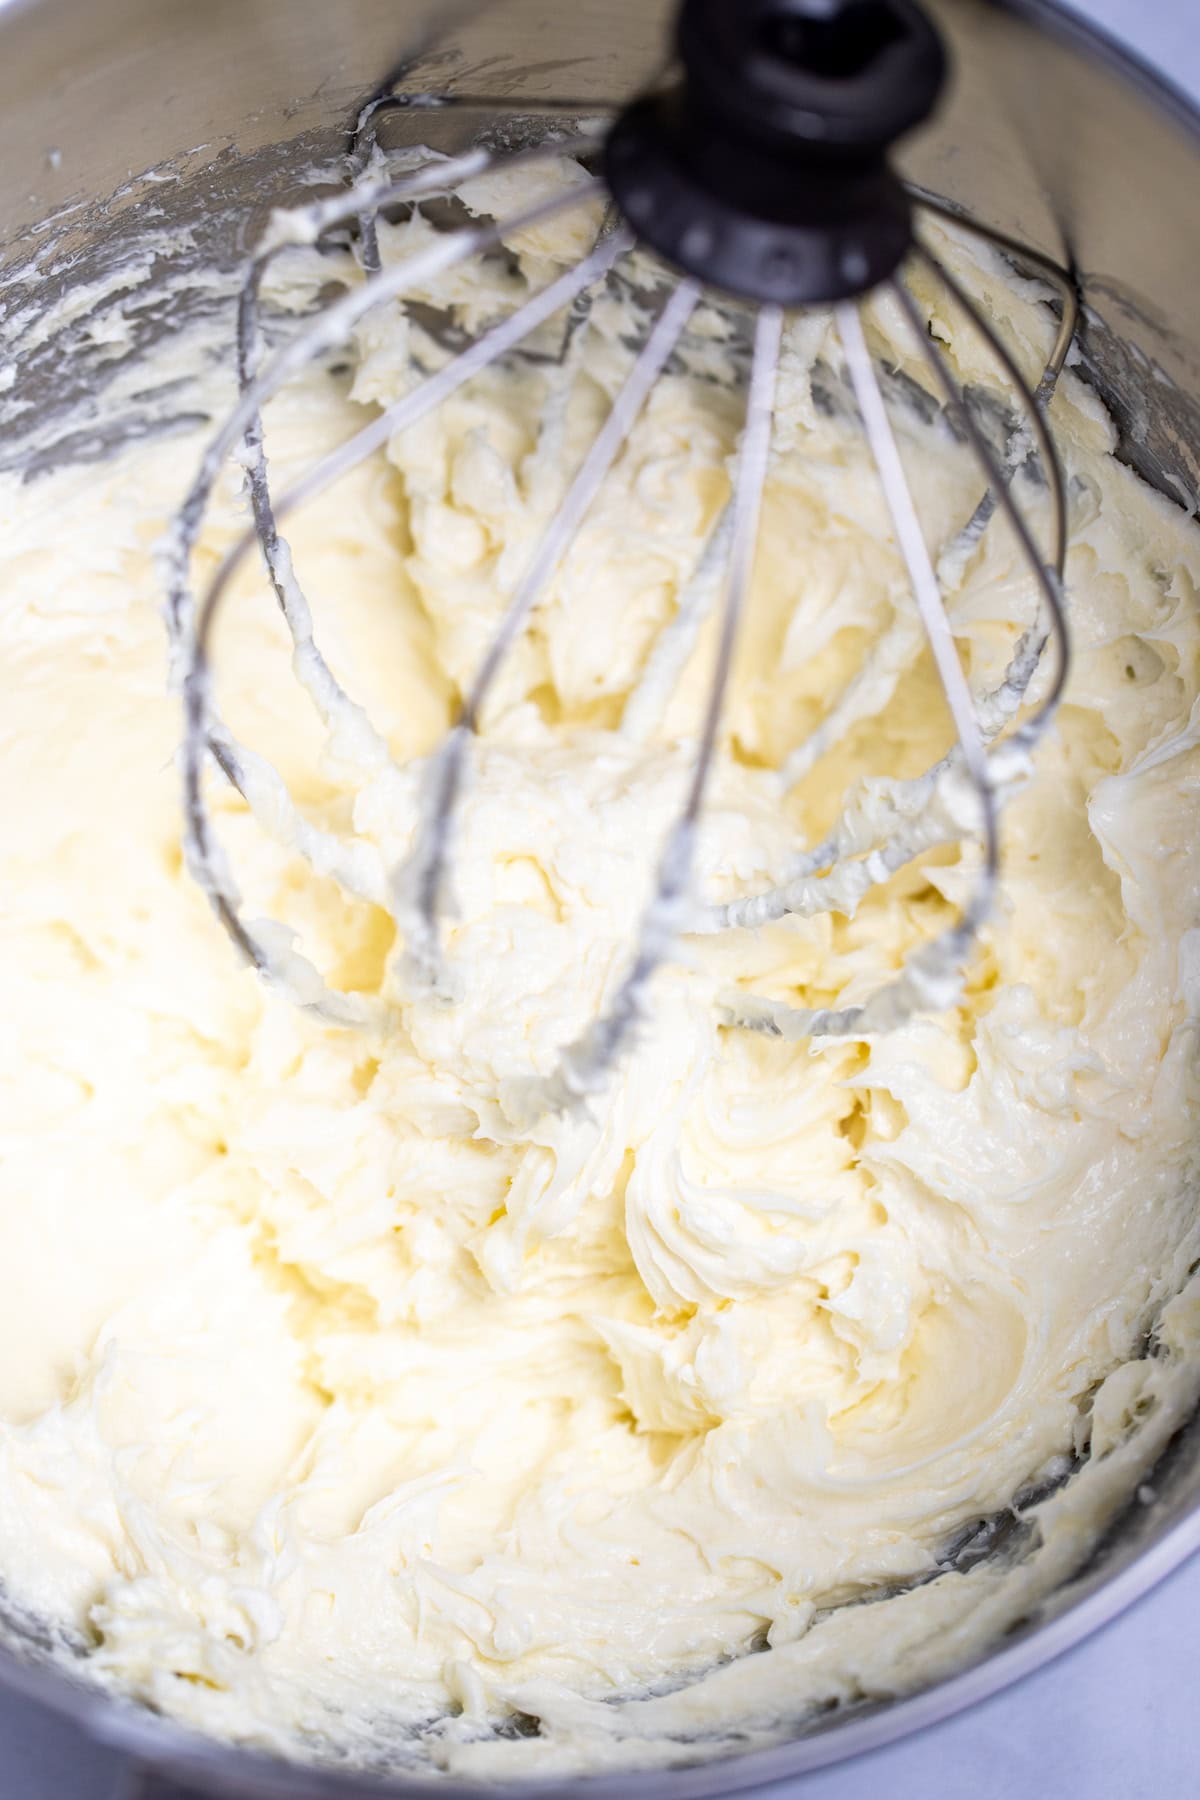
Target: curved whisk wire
[265,946]
[585,1065]
[920,813]
[926,811]
[421,882]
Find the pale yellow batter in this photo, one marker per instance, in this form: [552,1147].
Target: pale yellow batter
[335,1400]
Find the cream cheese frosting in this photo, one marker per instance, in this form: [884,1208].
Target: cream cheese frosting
[344,1410]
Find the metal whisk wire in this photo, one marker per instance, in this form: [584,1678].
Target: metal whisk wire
[424,877]
[191,631]
[584,1066]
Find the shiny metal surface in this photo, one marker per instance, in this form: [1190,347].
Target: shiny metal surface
[1050,134]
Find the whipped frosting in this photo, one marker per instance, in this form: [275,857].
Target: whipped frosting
[348,1408]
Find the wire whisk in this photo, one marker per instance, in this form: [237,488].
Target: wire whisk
[714,175]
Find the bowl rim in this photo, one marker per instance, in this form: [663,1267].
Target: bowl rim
[158,1744]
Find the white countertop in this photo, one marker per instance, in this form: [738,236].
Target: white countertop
[1166,33]
[1115,1719]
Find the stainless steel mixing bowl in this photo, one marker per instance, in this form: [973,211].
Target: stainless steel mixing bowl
[1051,134]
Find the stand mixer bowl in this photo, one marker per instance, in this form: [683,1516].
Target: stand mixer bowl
[211,115]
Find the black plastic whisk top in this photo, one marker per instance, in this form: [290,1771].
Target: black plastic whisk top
[764,170]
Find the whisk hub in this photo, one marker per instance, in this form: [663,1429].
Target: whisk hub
[764,170]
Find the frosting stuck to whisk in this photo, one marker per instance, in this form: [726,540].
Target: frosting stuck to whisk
[831,875]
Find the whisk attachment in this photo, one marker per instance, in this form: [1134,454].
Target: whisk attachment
[762,173]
